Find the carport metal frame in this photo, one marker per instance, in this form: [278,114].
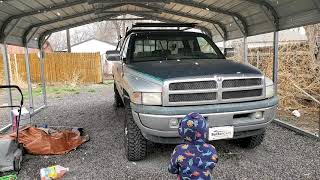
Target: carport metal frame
[8,81]
[240,21]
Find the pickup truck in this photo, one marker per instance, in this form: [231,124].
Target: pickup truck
[162,74]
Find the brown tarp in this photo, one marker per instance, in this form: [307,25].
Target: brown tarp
[44,141]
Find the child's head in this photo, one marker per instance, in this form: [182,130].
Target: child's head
[193,128]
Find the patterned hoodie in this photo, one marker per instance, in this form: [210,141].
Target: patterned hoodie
[194,159]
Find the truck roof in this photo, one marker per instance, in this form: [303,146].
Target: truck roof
[160,27]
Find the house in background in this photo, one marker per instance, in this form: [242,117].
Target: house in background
[264,41]
[95,46]
[285,37]
[92,46]
[20,50]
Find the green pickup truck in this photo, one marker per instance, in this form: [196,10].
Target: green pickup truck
[163,73]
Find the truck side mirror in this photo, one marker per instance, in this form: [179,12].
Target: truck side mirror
[113,55]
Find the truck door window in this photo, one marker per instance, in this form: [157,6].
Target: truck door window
[205,47]
[119,45]
[125,48]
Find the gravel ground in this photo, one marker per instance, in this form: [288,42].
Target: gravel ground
[283,154]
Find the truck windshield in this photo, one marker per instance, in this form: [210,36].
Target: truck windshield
[173,46]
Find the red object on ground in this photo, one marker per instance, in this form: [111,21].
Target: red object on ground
[43,141]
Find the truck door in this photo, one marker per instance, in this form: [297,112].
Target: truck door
[116,65]
[120,66]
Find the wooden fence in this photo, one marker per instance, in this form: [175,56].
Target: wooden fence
[59,68]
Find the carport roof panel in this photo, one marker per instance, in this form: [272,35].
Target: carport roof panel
[225,19]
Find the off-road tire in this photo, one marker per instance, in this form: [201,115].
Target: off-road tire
[251,142]
[117,99]
[135,143]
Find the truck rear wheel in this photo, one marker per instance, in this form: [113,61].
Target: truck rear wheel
[251,142]
[117,99]
[135,143]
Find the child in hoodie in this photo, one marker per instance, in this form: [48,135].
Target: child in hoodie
[194,159]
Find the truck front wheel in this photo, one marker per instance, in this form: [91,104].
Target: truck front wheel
[135,143]
[251,142]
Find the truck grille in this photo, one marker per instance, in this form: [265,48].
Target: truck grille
[192,97]
[211,91]
[241,82]
[193,85]
[241,94]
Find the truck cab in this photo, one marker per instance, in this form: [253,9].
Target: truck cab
[163,73]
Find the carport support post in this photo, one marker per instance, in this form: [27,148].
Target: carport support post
[275,60]
[245,50]
[26,58]
[102,62]
[42,77]
[6,72]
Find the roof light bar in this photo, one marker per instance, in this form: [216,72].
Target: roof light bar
[177,25]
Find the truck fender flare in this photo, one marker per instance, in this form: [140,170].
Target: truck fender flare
[126,97]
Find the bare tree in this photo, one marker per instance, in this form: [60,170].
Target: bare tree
[108,31]
[58,41]
[117,28]
[313,34]
[82,33]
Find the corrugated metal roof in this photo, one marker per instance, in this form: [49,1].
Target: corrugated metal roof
[32,20]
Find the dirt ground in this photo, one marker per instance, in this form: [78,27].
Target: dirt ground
[308,121]
[282,155]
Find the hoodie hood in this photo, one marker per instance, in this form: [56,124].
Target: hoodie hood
[193,128]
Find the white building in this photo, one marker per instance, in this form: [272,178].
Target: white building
[266,40]
[285,37]
[92,46]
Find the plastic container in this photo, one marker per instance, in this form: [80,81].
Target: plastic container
[53,172]
[24,119]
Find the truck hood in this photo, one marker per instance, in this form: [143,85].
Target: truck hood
[186,68]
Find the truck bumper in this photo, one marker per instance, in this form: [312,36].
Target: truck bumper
[159,124]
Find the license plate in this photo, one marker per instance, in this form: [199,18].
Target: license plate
[225,132]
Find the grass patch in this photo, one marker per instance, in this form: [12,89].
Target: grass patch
[52,90]
[108,82]
[92,90]
[36,92]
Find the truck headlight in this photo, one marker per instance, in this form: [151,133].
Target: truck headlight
[147,98]
[152,98]
[269,88]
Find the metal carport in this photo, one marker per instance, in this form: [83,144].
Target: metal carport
[29,23]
